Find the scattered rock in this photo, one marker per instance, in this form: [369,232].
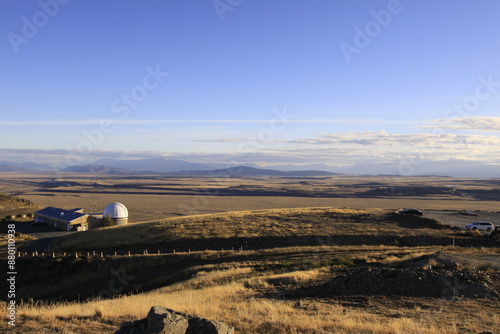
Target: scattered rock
[450,264]
[162,320]
[427,262]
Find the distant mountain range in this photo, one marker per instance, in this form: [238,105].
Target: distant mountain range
[452,168]
[251,171]
[16,169]
[95,169]
[158,165]
[224,172]
[9,166]
[181,167]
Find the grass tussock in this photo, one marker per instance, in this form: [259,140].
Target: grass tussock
[239,303]
[239,306]
[205,276]
[281,279]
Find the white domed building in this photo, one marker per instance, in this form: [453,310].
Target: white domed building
[117,212]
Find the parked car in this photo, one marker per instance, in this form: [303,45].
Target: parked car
[480,226]
[410,212]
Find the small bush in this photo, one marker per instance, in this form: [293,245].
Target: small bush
[107,221]
[99,313]
[344,260]
[275,328]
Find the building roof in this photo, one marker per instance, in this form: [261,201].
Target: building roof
[67,215]
[115,210]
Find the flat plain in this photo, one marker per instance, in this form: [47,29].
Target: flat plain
[151,197]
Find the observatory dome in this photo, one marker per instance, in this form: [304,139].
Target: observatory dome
[115,210]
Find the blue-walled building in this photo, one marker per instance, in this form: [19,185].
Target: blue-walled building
[67,220]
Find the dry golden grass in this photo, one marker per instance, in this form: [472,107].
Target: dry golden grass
[243,308]
[207,278]
[20,239]
[238,224]
[281,279]
[309,225]
[231,292]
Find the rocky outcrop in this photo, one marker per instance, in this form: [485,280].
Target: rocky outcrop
[162,320]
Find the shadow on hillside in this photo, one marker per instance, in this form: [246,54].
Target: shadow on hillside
[416,222]
[257,243]
[88,276]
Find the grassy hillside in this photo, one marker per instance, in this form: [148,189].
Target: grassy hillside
[281,291]
[11,205]
[309,270]
[266,229]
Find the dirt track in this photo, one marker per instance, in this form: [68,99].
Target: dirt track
[455,218]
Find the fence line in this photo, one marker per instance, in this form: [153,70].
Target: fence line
[115,254]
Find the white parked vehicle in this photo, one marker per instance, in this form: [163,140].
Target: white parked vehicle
[480,226]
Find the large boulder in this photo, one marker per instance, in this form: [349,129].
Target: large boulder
[161,320]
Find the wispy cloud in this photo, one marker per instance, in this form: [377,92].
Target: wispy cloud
[486,124]
[55,154]
[333,155]
[380,139]
[119,121]
[333,148]
[176,121]
[347,148]
[222,140]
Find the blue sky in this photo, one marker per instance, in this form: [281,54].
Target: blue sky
[234,65]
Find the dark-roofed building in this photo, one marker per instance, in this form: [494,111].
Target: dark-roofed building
[67,220]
